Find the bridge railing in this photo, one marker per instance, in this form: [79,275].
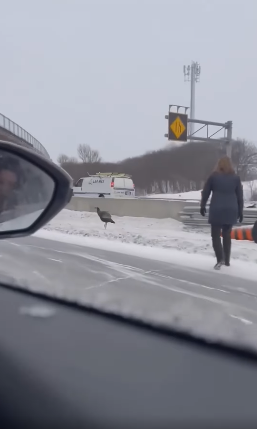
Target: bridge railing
[14,128]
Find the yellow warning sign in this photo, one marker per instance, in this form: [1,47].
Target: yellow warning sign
[177,127]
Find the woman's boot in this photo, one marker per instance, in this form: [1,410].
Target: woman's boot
[227,247]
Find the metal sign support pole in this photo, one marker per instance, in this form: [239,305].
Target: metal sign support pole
[192,98]
[229,139]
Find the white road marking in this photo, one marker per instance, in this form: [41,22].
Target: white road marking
[241,289]
[37,311]
[143,273]
[186,281]
[221,290]
[55,260]
[245,321]
[39,275]
[14,244]
[108,282]
[140,272]
[154,273]
[48,249]
[195,295]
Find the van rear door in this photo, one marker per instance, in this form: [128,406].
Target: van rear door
[123,187]
[129,187]
[118,188]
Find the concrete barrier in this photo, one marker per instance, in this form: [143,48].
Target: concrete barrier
[159,209]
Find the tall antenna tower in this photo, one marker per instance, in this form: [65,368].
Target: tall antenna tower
[192,74]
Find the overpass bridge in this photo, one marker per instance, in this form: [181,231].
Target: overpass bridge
[12,132]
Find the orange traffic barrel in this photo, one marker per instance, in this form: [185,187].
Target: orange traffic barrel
[245,233]
[242,234]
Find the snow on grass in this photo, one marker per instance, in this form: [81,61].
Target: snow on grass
[156,233]
[191,195]
[144,231]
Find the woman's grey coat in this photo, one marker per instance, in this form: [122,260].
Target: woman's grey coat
[227,200]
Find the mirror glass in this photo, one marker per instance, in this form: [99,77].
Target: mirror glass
[25,192]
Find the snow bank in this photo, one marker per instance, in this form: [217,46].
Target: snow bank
[155,233]
[249,188]
[192,195]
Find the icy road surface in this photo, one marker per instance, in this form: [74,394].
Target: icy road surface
[207,303]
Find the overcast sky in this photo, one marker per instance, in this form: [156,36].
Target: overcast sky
[103,72]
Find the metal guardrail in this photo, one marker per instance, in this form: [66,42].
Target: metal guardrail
[18,131]
[191,216]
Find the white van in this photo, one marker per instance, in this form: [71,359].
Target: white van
[110,185]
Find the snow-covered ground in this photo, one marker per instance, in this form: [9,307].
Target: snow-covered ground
[191,195]
[249,188]
[155,233]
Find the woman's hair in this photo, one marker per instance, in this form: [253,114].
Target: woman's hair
[225,166]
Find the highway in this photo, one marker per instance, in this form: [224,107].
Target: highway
[212,304]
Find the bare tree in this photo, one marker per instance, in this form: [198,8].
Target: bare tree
[244,157]
[62,158]
[95,156]
[73,160]
[87,154]
[251,185]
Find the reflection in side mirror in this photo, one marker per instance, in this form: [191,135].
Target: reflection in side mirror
[26,191]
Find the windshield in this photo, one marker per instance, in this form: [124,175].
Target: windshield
[93,86]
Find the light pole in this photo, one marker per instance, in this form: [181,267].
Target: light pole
[192,74]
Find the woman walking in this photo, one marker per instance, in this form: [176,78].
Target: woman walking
[225,209]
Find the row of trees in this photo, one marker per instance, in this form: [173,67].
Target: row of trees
[176,169]
[85,154]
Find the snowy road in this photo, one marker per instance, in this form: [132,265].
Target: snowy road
[207,303]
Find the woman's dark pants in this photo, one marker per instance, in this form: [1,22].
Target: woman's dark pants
[222,252]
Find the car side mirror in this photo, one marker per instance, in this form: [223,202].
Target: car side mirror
[32,190]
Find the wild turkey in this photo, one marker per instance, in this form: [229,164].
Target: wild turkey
[104,216]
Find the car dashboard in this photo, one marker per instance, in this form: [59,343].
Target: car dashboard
[62,367]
